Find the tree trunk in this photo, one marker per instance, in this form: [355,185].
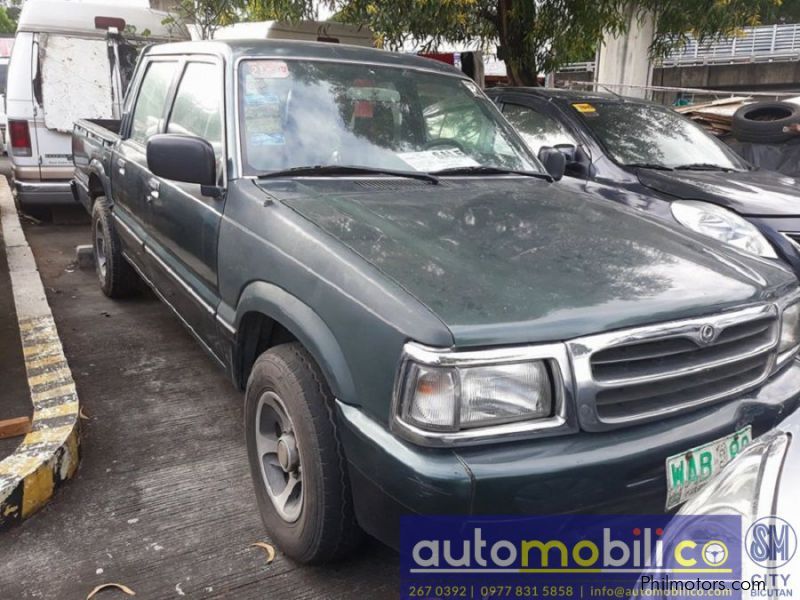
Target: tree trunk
[520,61]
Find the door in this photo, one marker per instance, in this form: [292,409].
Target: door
[129,172]
[183,223]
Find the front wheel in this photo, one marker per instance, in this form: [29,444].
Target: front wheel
[296,459]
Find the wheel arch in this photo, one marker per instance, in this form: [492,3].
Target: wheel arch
[267,316]
[98,181]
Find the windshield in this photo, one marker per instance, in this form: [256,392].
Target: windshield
[639,134]
[300,114]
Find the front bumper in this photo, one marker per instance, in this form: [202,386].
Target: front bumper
[621,471]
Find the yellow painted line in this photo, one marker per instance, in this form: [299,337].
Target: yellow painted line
[46,362]
[60,374]
[42,351]
[62,390]
[53,434]
[37,490]
[35,323]
[19,463]
[60,410]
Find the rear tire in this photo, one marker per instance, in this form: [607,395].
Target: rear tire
[117,277]
[291,436]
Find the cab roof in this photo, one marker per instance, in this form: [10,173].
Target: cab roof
[234,49]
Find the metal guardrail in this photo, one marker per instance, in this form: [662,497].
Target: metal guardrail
[766,43]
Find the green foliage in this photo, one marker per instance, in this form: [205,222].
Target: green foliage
[206,15]
[787,11]
[7,24]
[531,35]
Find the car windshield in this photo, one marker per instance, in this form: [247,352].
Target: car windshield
[642,134]
[297,114]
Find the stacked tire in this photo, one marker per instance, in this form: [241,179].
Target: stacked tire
[766,122]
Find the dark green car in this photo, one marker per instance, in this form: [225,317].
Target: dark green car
[421,320]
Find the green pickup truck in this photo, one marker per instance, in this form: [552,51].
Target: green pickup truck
[421,319]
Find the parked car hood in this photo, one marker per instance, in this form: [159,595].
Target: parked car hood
[511,261]
[751,193]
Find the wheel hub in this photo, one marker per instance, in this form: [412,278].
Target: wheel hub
[288,458]
[279,456]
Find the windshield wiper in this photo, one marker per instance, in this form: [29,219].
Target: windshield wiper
[484,170]
[649,166]
[346,170]
[703,167]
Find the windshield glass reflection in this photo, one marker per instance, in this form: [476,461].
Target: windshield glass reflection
[299,114]
[642,134]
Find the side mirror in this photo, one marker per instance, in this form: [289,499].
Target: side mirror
[184,158]
[569,151]
[554,161]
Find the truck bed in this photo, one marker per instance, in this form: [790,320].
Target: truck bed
[93,141]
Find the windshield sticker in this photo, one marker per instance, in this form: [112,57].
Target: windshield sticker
[267,139]
[436,160]
[265,119]
[267,69]
[584,107]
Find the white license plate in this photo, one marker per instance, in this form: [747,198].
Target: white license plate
[689,471]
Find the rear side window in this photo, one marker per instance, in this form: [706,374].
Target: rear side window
[151,101]
[197,108]
[537,129]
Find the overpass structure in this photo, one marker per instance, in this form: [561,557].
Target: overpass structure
[762,59]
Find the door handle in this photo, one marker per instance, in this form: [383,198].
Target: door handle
[154,185]
[120,166]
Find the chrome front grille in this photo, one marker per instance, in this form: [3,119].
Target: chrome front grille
[642,374]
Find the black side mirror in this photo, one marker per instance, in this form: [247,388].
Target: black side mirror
[569,151]
[554,161]
[579,163]
[184,158]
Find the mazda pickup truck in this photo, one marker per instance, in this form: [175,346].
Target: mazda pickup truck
[420,319]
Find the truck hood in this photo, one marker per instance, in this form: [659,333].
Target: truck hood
[749,193]
[515,261]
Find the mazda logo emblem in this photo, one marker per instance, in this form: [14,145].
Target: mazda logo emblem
[707,334]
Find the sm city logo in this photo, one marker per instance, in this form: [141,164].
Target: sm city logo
[771,542]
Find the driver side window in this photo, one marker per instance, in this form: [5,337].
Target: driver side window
[536,128]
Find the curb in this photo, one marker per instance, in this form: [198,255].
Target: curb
[49,454]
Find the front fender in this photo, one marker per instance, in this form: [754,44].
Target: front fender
[307,326]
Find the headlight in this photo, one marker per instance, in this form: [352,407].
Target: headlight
[790,328]
[452,399]
[446,397]
[723,225]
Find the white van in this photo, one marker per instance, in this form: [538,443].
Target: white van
[71,59]
[308,31]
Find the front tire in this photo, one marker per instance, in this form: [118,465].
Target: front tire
[296,459]
[117,277]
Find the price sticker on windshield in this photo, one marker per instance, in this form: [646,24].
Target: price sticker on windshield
[268,69]
[584,107]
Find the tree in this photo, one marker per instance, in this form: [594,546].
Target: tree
[7,24]
[531,35]
[206,15]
